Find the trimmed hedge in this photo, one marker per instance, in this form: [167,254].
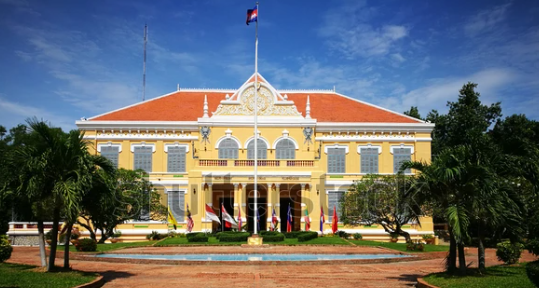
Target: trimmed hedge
[86,245]
[307,235]
[293,234]
[234,236]
[532,270]
[272,236]
[196,237]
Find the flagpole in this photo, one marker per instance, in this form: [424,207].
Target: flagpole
[256,122]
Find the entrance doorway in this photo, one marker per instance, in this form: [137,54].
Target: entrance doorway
[284,213]
[228,202]
[262,211]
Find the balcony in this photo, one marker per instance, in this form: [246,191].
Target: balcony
[251,163]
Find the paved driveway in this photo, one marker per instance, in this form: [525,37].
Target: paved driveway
[397,274]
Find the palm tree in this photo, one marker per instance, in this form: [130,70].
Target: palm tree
[438,183]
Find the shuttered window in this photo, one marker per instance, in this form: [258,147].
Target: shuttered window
[401,155]
[334,201]
[336,160]
[285,149]
[111,153]
[228,149]
[176,202]
[261,147]
[143,158]
[176,159]
[369,160]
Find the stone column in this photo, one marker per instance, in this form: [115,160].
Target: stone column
[237,200]
[302,208]
[243,203]
[278,202]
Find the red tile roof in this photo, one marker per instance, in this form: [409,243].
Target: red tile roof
[188,106]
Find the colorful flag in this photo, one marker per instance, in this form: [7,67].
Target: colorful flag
[229,220]
[240,222]
[172,220]
[252,15]
[322,220]
[334,226]
[211,215]
[289,220]
[274,221]
[190,222]
[307,221]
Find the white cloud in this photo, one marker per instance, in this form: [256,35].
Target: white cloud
[11,114]
[438,91]
[486,20]
[398,57]
[347,31]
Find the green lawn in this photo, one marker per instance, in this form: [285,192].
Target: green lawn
[496,277]
[16,275]
[113,246]
[399,246]
[214,241]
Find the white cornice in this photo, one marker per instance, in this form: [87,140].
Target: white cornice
[362,127]
[372,138]
[142,125]
[345,147]
[141,136]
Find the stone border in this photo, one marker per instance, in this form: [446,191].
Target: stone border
[254,263]
[421,283]
[98,282]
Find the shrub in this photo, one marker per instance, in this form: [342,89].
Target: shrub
[75,236]
[358,236]
[342,234]
[293,234]
[234,236]
[415,246]
[532,270]
[427,237]
[62,239]
[196,237]
[307,235]
[509,252]
[86,245]
[272,236]
[117,234]
[394,235]
[5,248]
[155,236]
[533,247]
[48,235]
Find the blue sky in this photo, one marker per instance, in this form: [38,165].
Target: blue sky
[62,60]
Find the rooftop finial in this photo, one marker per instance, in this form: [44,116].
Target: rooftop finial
[308,109]
[205,107]
[178,87]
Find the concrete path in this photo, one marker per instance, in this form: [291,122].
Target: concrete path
[397,274]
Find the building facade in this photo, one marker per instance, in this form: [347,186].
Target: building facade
[197,147]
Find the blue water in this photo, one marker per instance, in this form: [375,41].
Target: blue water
[254,257]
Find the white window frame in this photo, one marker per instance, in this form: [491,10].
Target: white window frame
[368,146]
[329,218]
[400,146]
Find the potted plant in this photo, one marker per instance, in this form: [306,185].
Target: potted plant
[429,239]
[114,238]
[394,237]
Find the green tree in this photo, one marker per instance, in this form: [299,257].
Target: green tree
[387,201]
[3,132]
[413,112]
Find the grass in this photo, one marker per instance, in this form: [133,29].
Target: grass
[400,246]
[496,277]
[24,276]
[113,246]
[214,241]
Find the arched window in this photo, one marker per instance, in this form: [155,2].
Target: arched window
[261,147]
[285,149]
[228,149]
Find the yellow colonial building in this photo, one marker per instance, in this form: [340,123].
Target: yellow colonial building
[197,146]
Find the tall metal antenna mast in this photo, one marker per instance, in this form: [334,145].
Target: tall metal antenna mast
[144,64]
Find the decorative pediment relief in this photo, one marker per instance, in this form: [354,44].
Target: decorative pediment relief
[268,104]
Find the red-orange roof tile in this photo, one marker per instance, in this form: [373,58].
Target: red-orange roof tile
[188,106]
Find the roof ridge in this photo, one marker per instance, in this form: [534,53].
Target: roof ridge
[206,89]
[305,90]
